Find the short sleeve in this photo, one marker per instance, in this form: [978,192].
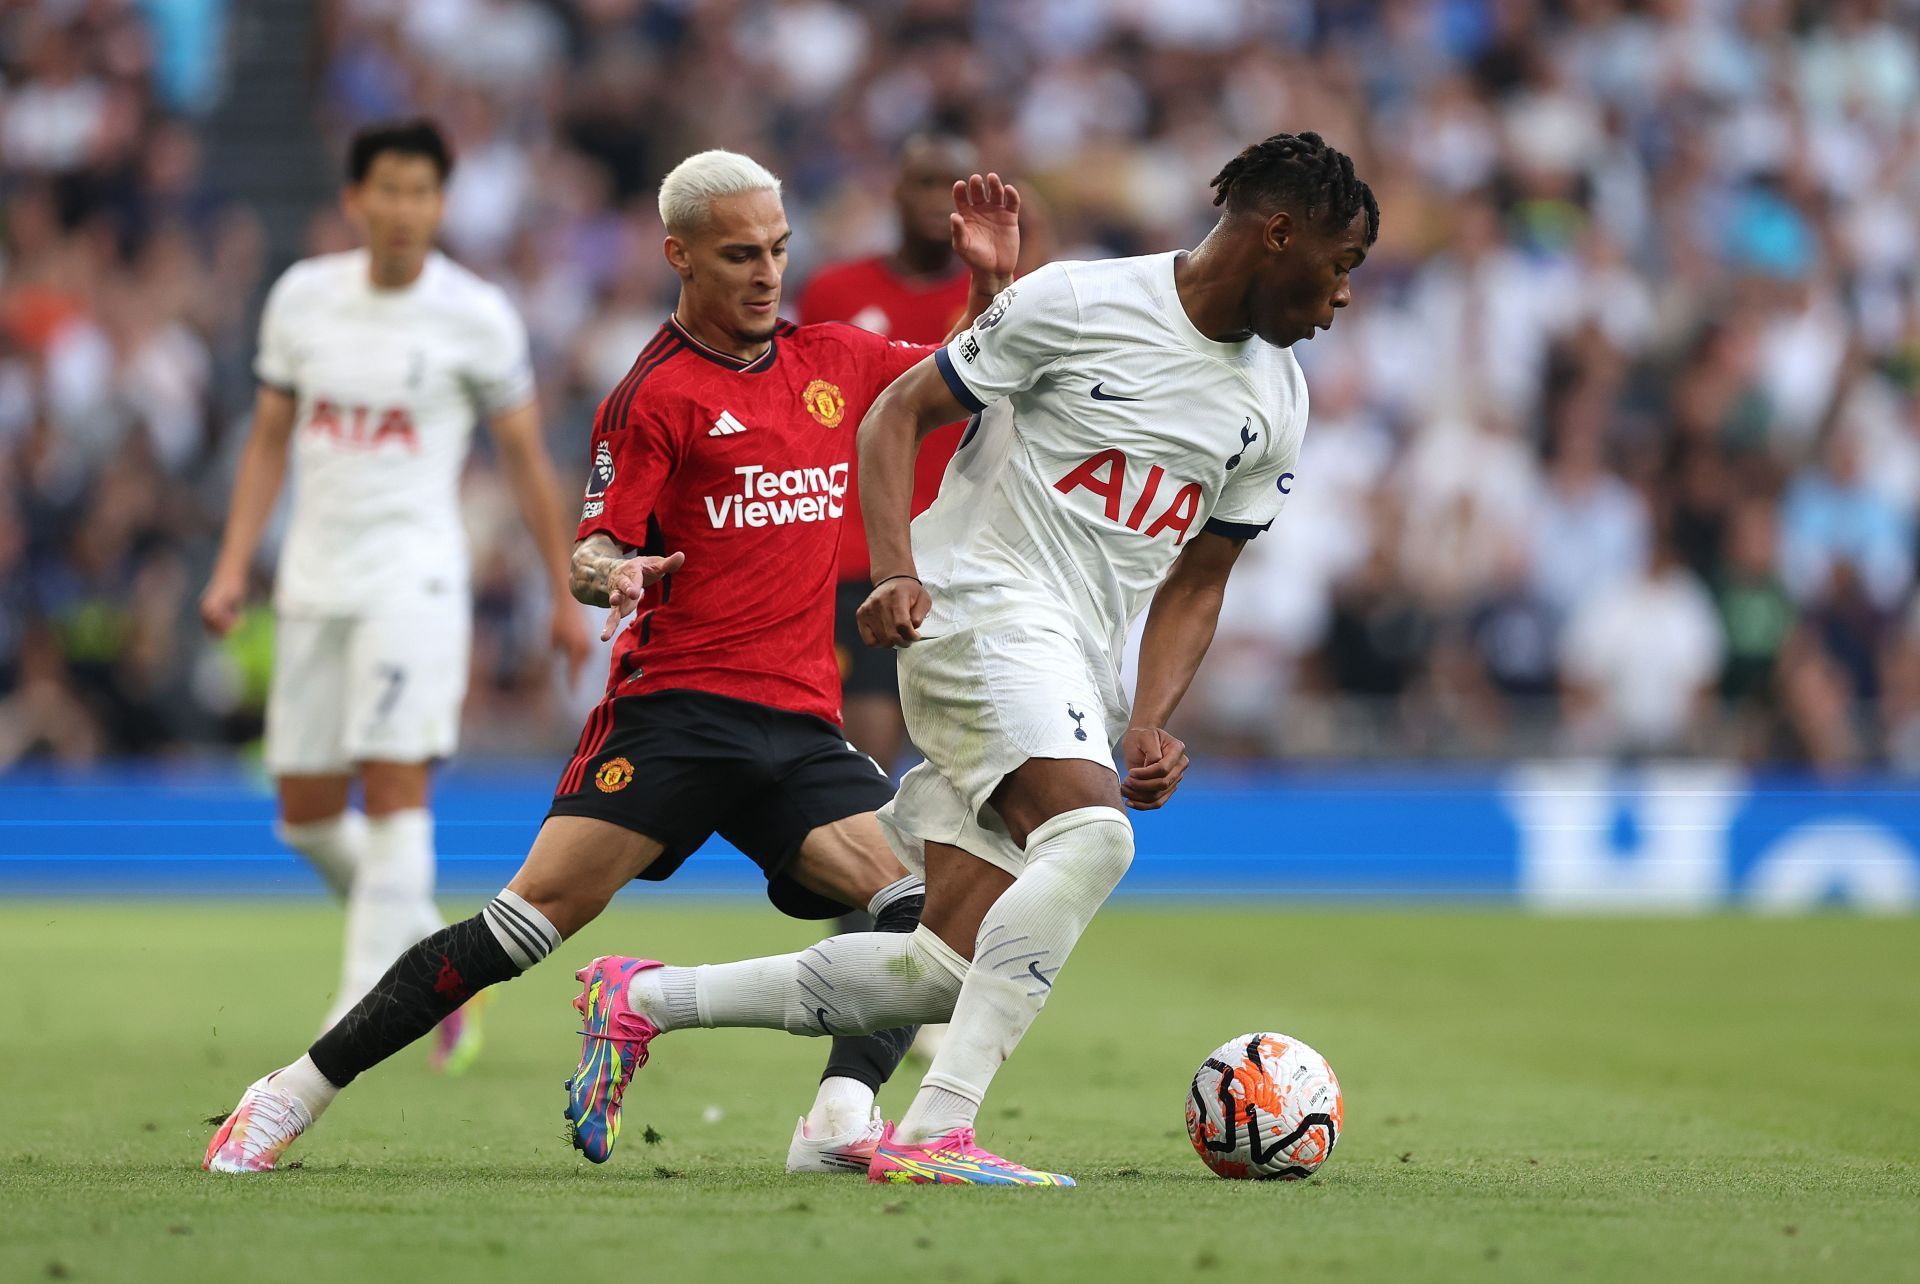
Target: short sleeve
[634,453]
[276,363]
[1030,325]
[502,373]
[898,357]
[885,359]
[1257,488]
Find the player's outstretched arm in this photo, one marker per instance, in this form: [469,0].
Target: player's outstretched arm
[256,488]
[1180,626]
[985,225]
[912,406]
[536,492]
[605,574]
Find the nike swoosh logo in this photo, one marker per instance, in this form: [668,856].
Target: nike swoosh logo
[820,1015]
[1033,969]
[1108,396]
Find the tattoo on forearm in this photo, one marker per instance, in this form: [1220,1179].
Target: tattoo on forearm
[593,561]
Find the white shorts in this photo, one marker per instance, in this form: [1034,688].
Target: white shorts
[373,688]
[978,703]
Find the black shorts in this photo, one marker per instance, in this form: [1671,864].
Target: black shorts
[864,670]
[679,766]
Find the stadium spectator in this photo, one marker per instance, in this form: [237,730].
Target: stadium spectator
[1639,659]
[1835,519]
[1591,529]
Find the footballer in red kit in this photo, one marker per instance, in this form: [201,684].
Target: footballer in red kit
[713,516]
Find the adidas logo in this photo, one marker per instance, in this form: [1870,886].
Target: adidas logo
[726,425]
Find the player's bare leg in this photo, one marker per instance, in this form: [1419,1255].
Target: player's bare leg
[575,867]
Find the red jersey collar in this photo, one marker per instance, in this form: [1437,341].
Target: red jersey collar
[728,360]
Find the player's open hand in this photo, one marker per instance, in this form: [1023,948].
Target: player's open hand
[628,582]
[985,224]
[220,604]
[1155,763]
[893,612]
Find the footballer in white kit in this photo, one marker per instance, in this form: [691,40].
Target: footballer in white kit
[372,591]
[374,366]
[1109,434]
[1136,422]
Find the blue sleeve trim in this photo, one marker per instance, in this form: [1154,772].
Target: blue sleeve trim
[956,385]
[1235,530]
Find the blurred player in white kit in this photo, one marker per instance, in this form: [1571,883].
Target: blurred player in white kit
[374,366]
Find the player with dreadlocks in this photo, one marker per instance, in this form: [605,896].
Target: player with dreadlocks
[1136,421]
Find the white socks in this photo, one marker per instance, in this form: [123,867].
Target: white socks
[1074,861]
[935,1112]
[844,1106]
[390,905]
[304,1083]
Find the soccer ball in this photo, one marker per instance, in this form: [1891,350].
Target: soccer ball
[1264,1105]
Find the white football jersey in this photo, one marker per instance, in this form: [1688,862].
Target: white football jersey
[1110,431]
[389,384]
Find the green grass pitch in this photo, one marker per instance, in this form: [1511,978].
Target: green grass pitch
[1526,1098]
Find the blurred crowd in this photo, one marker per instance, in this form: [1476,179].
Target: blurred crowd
[1617,451]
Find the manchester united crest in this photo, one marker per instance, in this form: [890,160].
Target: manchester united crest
[824,403]
[613,776]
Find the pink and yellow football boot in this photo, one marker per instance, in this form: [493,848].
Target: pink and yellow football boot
[616,1046]
[951,1160]
[258,1132]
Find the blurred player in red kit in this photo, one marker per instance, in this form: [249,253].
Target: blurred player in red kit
[914,295]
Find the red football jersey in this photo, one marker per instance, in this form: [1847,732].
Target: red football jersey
[744,468]
[870,294]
